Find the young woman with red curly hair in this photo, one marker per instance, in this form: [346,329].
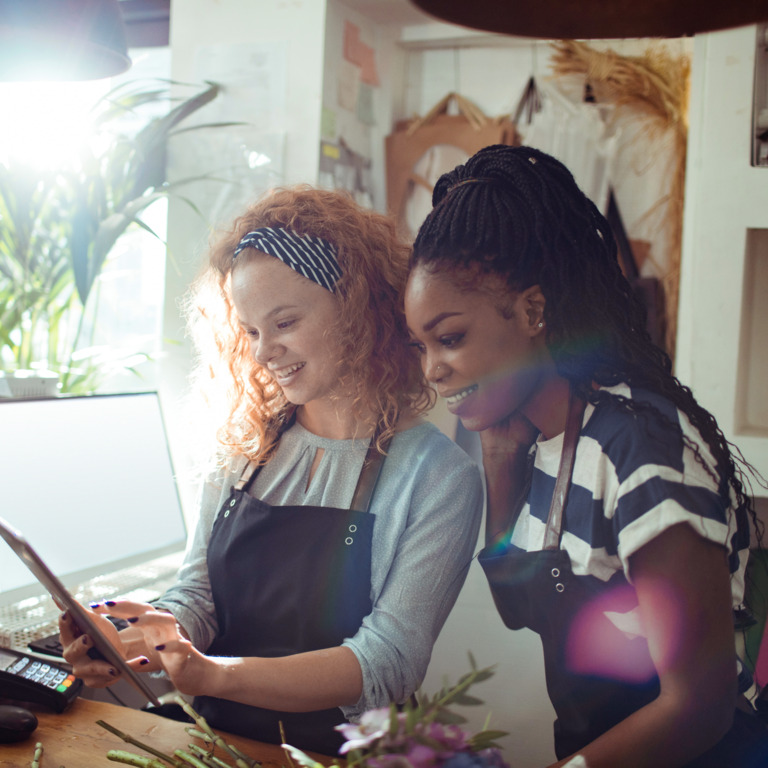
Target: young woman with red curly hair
[308,595]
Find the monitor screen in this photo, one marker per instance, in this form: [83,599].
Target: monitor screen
[88,481]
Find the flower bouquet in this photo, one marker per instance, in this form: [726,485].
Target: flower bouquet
[424,733]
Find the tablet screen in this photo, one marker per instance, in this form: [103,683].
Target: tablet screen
[66,602]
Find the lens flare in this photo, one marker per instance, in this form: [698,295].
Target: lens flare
[604,639]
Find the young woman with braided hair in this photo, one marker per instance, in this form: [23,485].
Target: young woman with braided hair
[618,522]
[337,526]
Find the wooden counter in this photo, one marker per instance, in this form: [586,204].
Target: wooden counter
[73,740]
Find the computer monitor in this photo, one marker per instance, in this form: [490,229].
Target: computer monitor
[89,480]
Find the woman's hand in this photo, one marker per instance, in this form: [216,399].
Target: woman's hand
[505,448]
[154,640]
[509,437]
[95,672]
[159,642]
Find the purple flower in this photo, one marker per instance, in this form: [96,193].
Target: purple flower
[453,738]
[372,726]
[421,756]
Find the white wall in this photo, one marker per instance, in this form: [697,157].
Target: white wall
[493,76]
[725,198]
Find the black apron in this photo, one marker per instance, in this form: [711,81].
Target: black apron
[285,580]
[538,590]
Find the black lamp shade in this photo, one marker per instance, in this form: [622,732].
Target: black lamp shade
[61,40]
[597,19]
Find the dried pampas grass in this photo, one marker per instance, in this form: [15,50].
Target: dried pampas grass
[655,85]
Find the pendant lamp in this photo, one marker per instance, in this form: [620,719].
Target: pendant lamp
[596,19]
[61,40]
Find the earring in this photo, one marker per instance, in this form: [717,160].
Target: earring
[541,325]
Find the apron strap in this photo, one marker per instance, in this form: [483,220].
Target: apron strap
[248,475]
[366,483]
[369,475]
[553,532]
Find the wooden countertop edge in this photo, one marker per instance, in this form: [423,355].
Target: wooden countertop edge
[72,739]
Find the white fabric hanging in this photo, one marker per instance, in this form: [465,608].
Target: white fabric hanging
[575,134]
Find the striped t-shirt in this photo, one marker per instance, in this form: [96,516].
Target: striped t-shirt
[633,478]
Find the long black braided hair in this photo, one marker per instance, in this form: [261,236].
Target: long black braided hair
[518,213]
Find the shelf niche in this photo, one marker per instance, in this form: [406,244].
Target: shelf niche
[752,403]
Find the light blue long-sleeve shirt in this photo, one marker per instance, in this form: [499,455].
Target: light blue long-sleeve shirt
[428,505]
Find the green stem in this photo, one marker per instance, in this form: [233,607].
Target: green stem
[130,740]
[121,756]
[243,757]
[207,757]
[241,761]
[27,336]
[191,759]
[73,347]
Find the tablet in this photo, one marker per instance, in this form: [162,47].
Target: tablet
[66,602]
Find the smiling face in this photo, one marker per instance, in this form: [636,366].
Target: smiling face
[486,364]
[286,318]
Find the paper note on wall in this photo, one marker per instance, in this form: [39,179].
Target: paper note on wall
[361,55]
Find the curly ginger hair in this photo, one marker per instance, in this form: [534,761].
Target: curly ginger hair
[376,363]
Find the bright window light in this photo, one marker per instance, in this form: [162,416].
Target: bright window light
[43,123]
[43,127]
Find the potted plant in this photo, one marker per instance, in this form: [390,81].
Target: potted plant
[57,230]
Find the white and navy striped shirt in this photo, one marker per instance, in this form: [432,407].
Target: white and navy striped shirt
[633,478]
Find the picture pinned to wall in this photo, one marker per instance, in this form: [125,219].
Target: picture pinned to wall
[361,55]
[342,168]
[328,123]
[347,85]
[357,76]
[760,99]
[365,110]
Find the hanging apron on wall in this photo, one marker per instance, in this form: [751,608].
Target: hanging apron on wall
[285,580]
[538,590]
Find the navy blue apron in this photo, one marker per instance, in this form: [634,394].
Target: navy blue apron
[538,590]
[285,580]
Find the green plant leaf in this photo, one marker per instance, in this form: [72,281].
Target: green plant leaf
[58,229]
[465,700]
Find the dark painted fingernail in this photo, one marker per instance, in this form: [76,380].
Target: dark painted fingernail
[112,672]
[133,619]
[144,661]
[160,647]
[64,616]
[95,605]
[85,639]
[110,603]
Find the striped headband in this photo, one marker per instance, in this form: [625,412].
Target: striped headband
[312,257]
